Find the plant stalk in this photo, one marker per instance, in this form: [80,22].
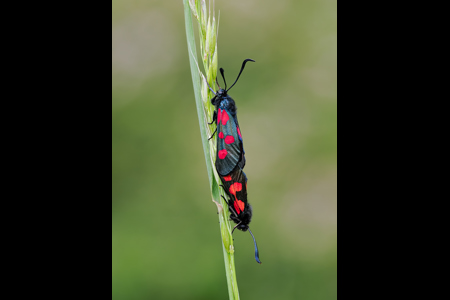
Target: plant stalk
[208,53]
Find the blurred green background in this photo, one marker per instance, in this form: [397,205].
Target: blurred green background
[166,242]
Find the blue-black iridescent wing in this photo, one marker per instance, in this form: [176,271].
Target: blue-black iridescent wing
[229,143]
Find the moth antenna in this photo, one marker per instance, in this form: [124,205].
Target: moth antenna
[242,69]
[217,82]
[256,248]
[210,87]
[222,71]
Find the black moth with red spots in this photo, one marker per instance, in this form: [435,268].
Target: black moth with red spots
[230,149]
[230,158]
[235,185]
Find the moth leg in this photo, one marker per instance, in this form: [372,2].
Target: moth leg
[225,200]
[213,134]
[235,227]
[214,118]
[230,208]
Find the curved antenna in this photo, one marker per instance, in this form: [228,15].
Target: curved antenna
[210,86]
[217,82]
[256,248]
[242,69]
[223,76]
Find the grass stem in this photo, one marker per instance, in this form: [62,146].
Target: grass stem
[208,31]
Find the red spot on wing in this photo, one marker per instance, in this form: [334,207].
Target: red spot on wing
[236,206]
[221,135]
[235,187]
[239,132]
[240,204]
[219,116]
[222,153]
[229,139]
[225,117]
[227,178]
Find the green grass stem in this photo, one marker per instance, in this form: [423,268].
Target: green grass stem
[209,56]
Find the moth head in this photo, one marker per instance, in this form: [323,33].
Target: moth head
[221,93]
[243,227]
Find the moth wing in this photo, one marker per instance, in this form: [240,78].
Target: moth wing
[242,160]
[235,186]
[239,176]
[229,143]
